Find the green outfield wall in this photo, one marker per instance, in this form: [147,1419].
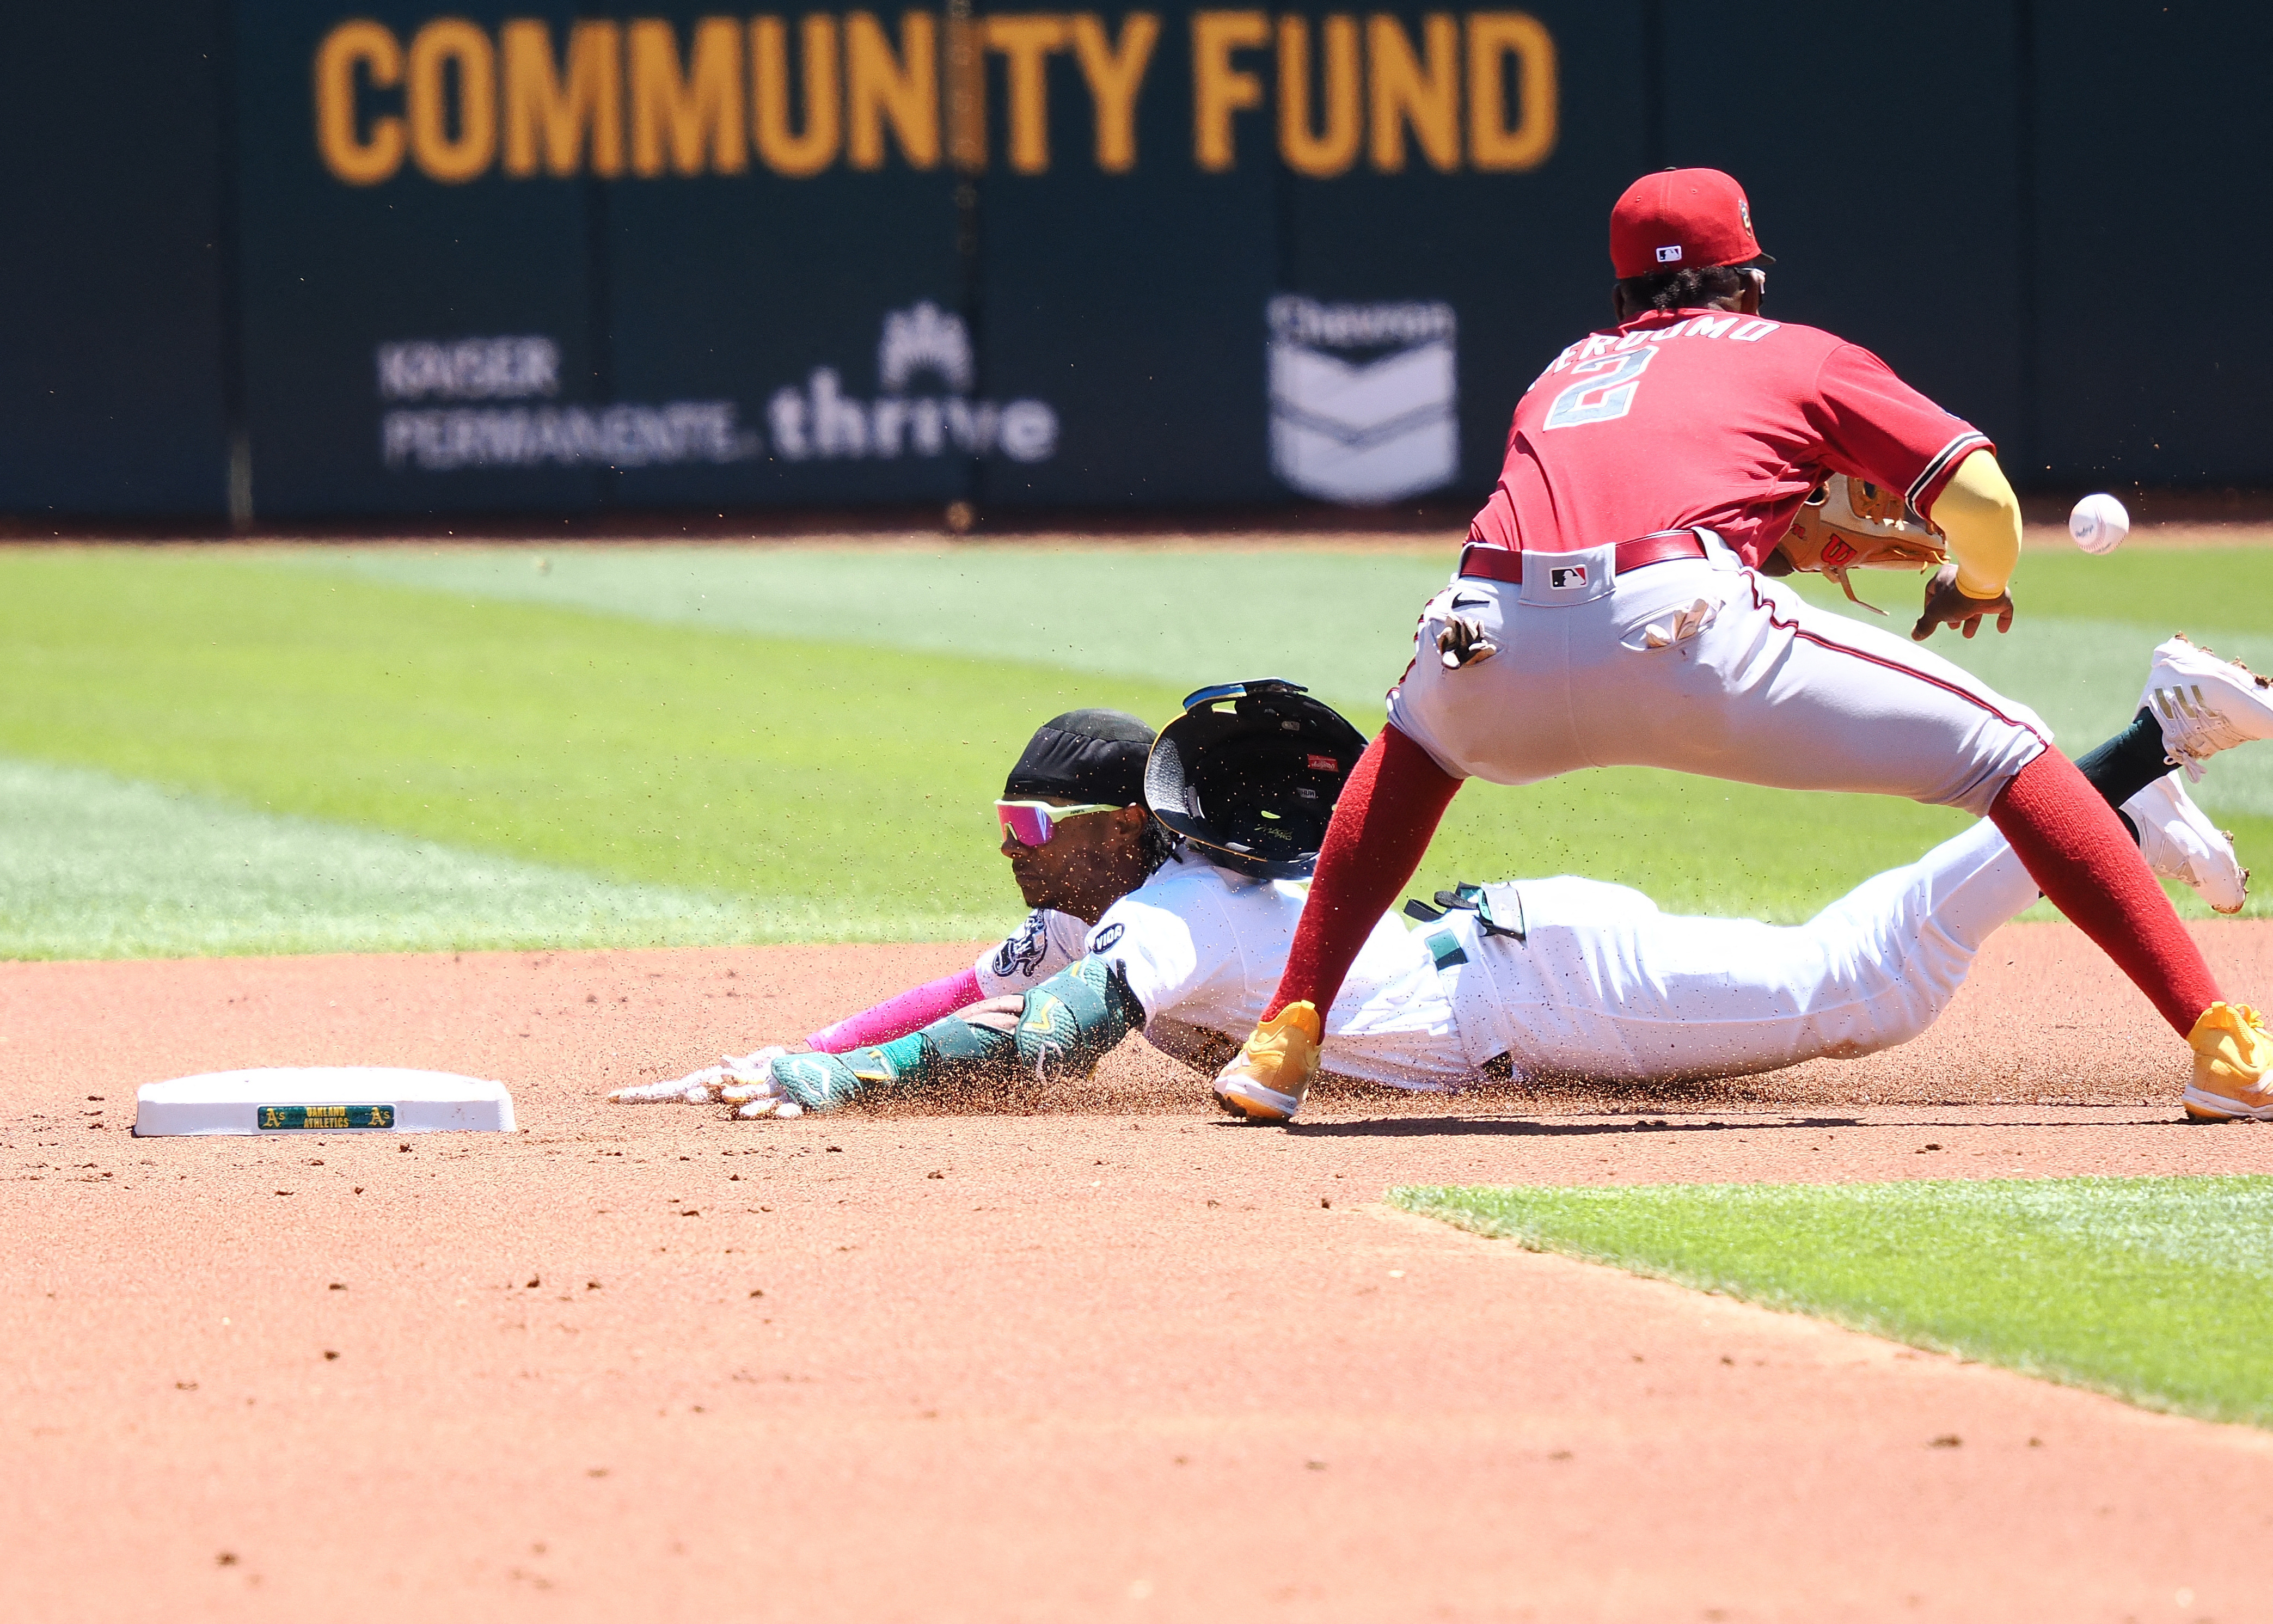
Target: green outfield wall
[290,258]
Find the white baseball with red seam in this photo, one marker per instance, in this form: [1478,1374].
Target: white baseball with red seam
[2099,523]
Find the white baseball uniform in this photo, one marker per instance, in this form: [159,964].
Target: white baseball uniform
[1601,984]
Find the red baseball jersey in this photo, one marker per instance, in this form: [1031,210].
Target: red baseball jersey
[1701,418]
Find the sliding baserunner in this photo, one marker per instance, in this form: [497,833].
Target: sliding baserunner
[1177,920]
[1608,610]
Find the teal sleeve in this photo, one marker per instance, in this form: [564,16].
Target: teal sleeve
[1073,1019]
[947,1051]
[1068,1024]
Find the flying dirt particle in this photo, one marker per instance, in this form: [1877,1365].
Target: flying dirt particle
[1559,1454]
[227,1558]
[2036,1443]
[1322,1202]
[596,1471]
[339,1285]
[1314,1465]
[534,1282]
[935,1175]
[191,1387]
[404,1149]
[836,1150]
[358,1189]
[330,1353]
[758,1293]
[1947,1440]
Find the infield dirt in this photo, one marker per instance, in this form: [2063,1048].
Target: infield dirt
[1095,1357]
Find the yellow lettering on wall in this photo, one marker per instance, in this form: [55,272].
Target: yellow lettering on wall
[1493,36]
[1219,89]
[1407,91]
[365,156]
[445,43]
[785,152]
[902,87]
[559,112]
[1114,77]
[1025,43]
[1333,151]
[697,112]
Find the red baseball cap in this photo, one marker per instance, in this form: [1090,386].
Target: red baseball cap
[1682,218]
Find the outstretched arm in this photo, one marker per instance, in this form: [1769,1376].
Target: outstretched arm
[900,1014]
[1062,1028]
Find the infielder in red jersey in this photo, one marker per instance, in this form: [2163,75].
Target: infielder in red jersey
[1608,610]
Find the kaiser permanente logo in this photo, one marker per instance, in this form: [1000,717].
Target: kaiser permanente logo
[641,98]
[1364,397]
[817,420]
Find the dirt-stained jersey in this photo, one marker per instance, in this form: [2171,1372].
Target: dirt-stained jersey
[1029,955]
[1681,418]
[1202,948]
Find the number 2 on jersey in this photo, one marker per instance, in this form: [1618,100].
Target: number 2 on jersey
[1605,389]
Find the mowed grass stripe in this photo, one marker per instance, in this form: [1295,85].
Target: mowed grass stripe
[852,782]
[1339,620]
[95,867]
[1181,617]
[2156,1290]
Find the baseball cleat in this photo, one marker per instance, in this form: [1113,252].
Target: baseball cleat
[2180,842]
[2205,704]
[2234,1066]
[1267,1078]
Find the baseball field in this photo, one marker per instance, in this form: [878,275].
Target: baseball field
[1972,1329]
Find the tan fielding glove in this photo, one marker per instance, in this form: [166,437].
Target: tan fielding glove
[1850,524]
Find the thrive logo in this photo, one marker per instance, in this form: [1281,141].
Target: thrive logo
[924,338]
[822,420]
[1363,397]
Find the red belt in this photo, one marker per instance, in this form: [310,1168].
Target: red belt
[1503,565]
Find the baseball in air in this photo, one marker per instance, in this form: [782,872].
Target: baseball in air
[2099,523]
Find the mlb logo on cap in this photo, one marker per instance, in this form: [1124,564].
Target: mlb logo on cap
[1683,217]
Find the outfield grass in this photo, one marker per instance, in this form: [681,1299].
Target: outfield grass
[798,743]
[97,867]
[2156,1290]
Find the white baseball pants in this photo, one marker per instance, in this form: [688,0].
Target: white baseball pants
[1604,986]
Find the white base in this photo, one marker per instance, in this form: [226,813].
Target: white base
[322,1099]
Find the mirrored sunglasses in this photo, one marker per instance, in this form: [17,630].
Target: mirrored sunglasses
[1032,823]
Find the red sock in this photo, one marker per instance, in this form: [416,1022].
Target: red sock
[1388,810]
[2077,851]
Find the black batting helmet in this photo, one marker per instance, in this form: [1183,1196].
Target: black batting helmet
[1249,774]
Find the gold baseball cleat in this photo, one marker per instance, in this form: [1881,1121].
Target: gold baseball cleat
[1267,1078]
[2233,1066]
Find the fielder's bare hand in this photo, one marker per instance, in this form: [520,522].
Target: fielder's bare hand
[1947,606]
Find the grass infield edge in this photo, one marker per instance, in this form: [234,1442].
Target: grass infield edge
[1444,1203]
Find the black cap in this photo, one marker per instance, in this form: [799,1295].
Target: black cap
[1084,755]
